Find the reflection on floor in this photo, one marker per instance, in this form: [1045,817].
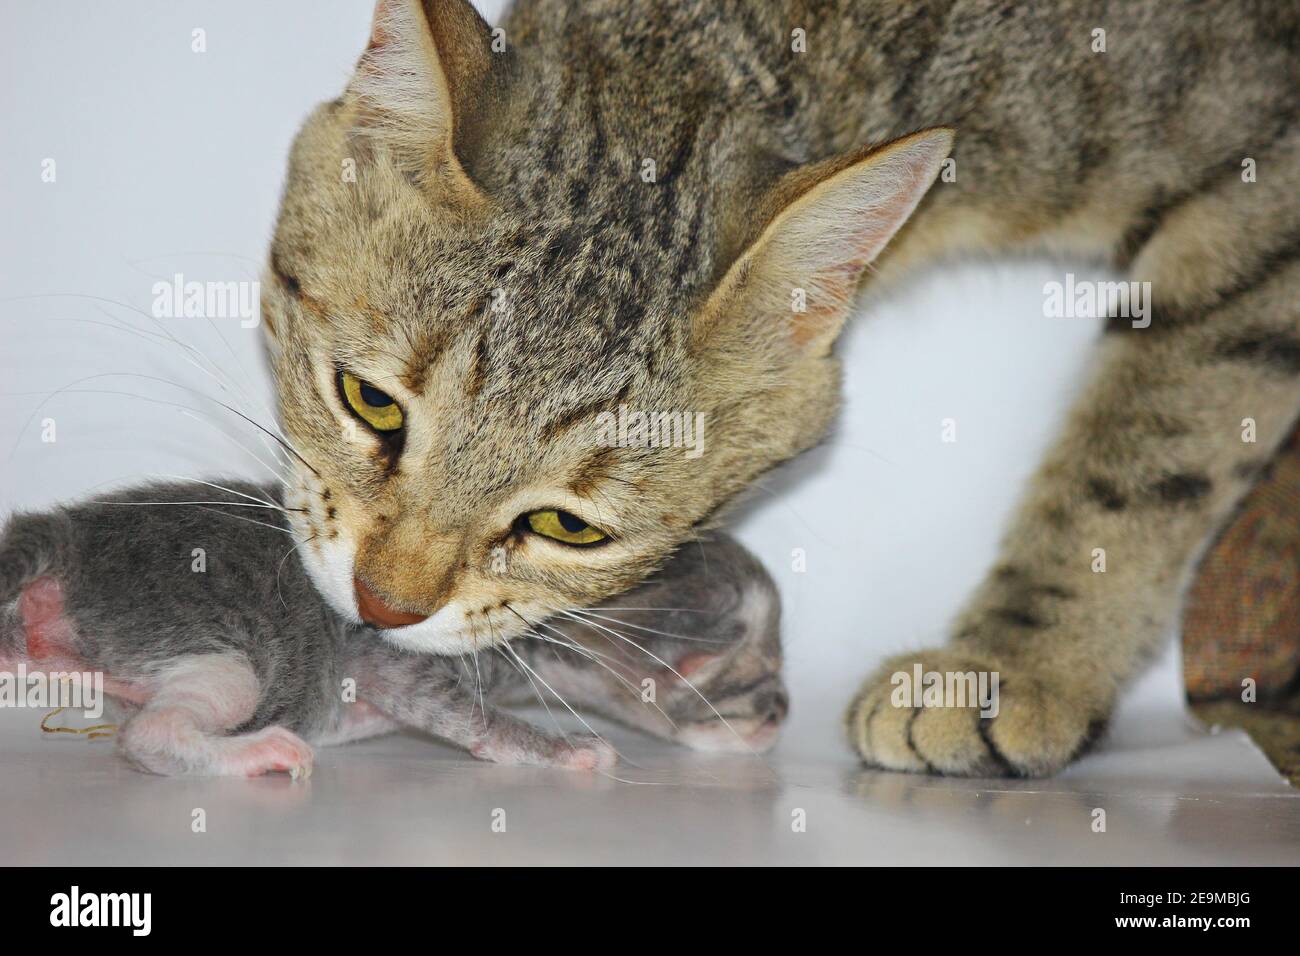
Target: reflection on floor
[1167,795]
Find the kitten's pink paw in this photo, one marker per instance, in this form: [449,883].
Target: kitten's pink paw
[591,754]
[273,750]
[578,753]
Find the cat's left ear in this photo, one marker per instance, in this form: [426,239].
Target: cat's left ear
[790,290]
[427,85]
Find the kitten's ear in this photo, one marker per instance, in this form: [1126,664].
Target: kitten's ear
[821,225]
[425,85]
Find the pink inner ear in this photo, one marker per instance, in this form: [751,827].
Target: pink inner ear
[838,280]
[694,662]
[835,288]
[378,37]
[811,325]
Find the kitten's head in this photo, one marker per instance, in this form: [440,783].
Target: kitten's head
[521,365]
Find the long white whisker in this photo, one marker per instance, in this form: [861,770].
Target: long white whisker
[538,694]
[273,470]
[666,665]
[219,376]
[531,683]
[594,657]
[681,637]
[210,484]
[590,654]
[688,610]
[557,695]
[155,378]
[213,370]
[224,504]
[574,645]
[188,411]
[250,520]
[280,568]
[478,677]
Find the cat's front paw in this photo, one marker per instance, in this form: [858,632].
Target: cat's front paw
[950,713]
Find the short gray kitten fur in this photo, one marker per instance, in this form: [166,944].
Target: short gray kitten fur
[238,669]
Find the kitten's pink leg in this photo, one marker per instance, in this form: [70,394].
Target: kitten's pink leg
[429,699]
[357,722]
[508,740]
[49,633]
[180,730]
[51,639]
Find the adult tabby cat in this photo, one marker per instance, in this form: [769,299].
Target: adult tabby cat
[492,239]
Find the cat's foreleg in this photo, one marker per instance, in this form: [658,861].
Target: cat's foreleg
[1179,419]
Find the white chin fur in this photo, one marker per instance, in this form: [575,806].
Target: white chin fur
[330,570]
[442,633]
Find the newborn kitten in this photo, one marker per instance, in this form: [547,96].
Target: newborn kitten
[193,603]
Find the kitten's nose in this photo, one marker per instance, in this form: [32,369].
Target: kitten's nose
[374,610]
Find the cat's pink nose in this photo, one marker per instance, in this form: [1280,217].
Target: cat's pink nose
[374,610]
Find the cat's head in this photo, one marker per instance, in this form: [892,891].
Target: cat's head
[519,364]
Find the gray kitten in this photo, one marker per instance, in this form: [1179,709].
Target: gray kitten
[191,600]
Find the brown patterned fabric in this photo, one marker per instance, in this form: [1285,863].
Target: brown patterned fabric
[1242,617]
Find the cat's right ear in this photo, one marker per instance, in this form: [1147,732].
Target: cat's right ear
[424,88]
[805,243]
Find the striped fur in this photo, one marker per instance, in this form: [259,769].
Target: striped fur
[532,191]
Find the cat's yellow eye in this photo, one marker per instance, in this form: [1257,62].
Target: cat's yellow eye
[562,526]
[377,409]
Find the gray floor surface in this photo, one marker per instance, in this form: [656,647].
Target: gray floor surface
[1171,795]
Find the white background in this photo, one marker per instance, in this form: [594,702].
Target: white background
[171,161]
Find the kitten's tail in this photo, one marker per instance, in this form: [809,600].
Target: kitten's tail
[31,544]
